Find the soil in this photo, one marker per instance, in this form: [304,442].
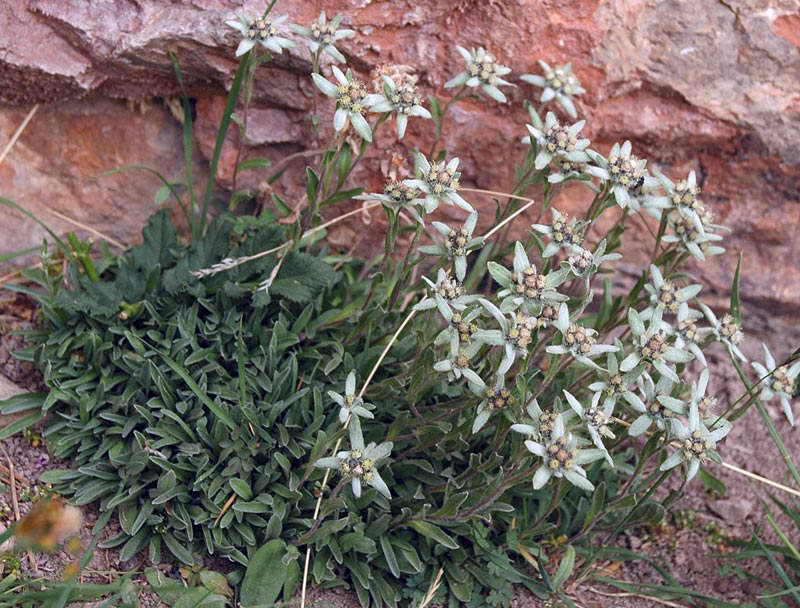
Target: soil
[688,543]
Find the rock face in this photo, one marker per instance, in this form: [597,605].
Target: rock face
[713,87]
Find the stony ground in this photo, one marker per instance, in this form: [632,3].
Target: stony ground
[688,543]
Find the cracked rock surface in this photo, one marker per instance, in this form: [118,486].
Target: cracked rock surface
[713,87]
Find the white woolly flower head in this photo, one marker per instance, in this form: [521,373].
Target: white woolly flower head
[322,35]
[440,182]
[352,103]
[559,83]
[778,381]
[401,98]
[360,463]
[482,71]
[260,30]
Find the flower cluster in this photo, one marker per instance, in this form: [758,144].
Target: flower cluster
[537,320]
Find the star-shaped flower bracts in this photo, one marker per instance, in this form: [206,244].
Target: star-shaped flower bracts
[482,71]
[360,463]
[260,31]
[778,381]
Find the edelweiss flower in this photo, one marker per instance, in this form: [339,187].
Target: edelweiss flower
[697,242]
[483,71]
[596,420]
[559,83]
[322,35]
[584,263]
[457,244]
[557,141]
[547,317]
[652,347]
[525,287]
[578,341]
[350,403]
[658,407]
[439,182]
[562,458]
[779,383]
[705,404]
[494,400]
[698,444]
[396,195]
[351,102]
[516,335]
[627,174]
[688,336]
[542,424]
[402,99]
[682,197]
[664,296]
[260,31]
[448,294]
[616,384]
[460,328]
[360,463]
[457,366]
[568,170]
[727,330]
[563,232]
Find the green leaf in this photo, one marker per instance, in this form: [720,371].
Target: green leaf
[254,163]
[565,568]
[712,483]
[20,424]
[736,303]
[57,476]
[242,488]
[434,533]
[162,194]
[389,554]
[218,411]
[230,105]
[265,576]
[22,402]
[178,549]
[158,240]
[312,185]
[436,109]
[598,501]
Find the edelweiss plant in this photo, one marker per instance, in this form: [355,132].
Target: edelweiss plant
[196,386]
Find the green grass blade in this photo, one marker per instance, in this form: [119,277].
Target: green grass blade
[782,535]
[15,254]
[26,213]
[20,425]
[188,142]
[776,566]
[736,302]
[233,97]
